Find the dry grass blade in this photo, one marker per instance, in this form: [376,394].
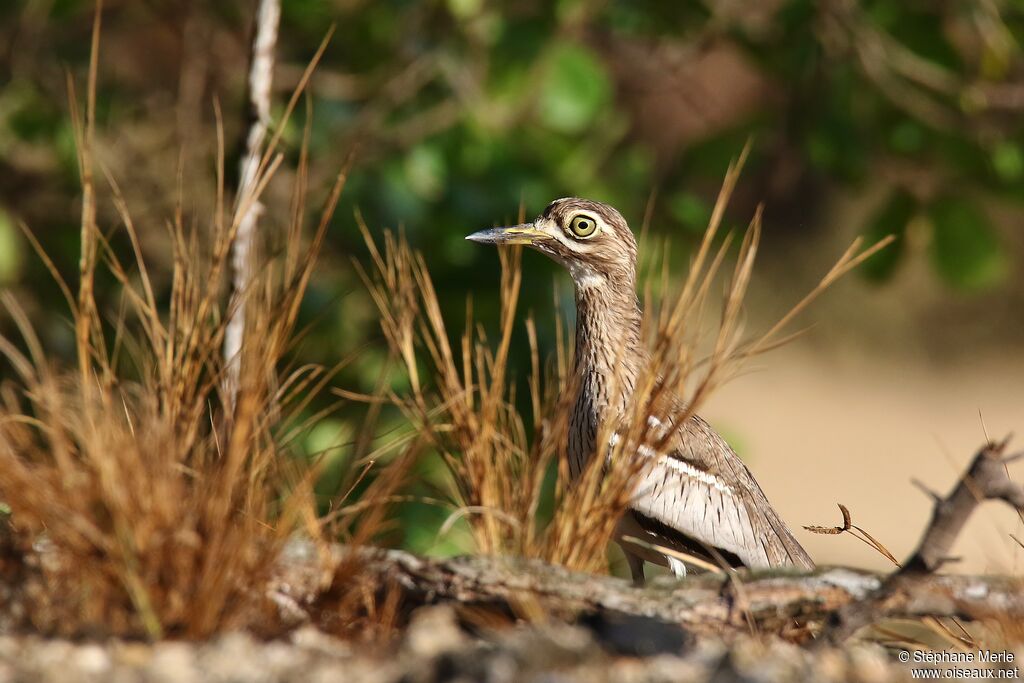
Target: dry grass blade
[692,560]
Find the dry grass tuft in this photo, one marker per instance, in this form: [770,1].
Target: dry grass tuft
[467,412]
[496,469]
[161,512]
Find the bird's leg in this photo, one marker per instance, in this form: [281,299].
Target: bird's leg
[636,568]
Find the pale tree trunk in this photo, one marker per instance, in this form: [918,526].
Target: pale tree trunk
[261,72]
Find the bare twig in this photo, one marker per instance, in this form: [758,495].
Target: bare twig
[261,72]
[855,531]
[985,479]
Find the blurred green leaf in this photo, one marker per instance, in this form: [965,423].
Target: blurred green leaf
[907,137]
[326,437]
[997,56]
[691,210]
[575,90]
[921,30]
[464,9]
[327,444]
[10,250]
[890,219]
[426,171]
[1008,161]
[965,246]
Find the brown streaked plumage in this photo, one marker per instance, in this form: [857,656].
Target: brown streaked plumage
[698,497]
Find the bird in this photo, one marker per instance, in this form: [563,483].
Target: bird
[697,497]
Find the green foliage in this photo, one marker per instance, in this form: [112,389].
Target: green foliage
[891,219]
[965,247]
[10,250]
[1008,161]
[691,210]
[575,90]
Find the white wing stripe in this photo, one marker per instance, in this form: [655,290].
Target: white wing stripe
[688,470]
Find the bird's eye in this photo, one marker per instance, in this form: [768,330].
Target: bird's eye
[583,226]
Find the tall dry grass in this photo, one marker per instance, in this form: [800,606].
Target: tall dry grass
[463,402]
[460,405]
[158,506]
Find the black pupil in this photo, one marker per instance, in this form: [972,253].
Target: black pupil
[582,226]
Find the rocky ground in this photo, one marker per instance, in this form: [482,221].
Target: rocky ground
[487,619]
[434,648]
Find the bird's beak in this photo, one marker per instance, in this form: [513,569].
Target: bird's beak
[526,233]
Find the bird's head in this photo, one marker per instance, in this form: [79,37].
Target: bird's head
[591,239]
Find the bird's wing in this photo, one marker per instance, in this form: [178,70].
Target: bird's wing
[701,490]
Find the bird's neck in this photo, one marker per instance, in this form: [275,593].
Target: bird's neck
[609,352]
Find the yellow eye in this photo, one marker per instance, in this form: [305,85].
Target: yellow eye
[583,226]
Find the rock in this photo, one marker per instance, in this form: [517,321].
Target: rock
[433,631]
[172,663]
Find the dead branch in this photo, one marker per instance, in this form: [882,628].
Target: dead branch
[261,72]
[703,604]
[985,479]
